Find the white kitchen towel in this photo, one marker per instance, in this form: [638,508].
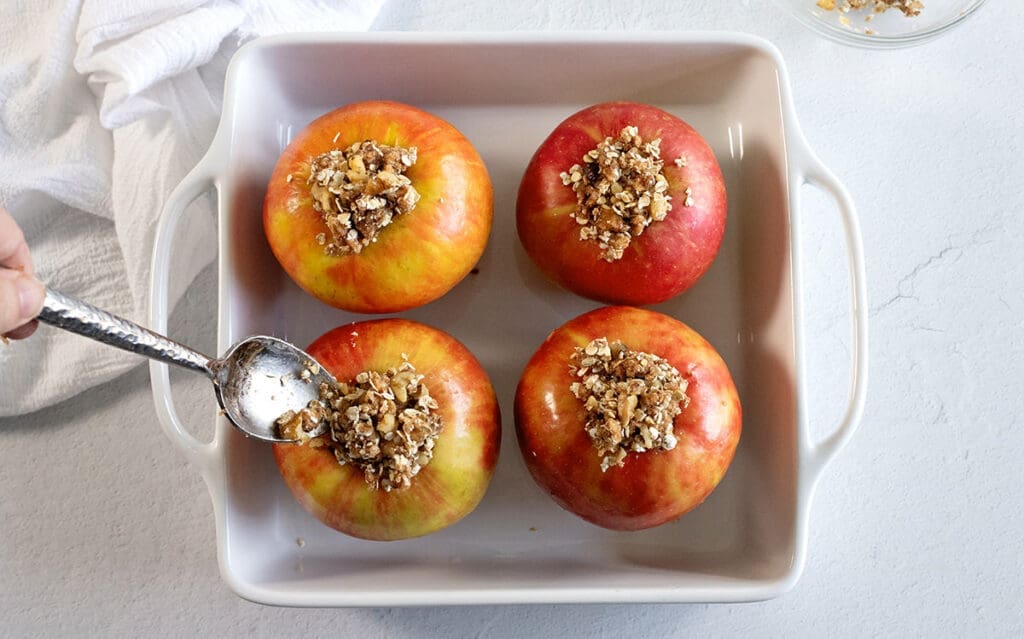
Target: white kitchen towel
[104,106]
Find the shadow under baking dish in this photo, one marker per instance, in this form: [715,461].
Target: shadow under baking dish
[518,546]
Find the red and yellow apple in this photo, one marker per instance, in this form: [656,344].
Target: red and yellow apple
[670,255]
[651,487]
[419,256]
[448,487]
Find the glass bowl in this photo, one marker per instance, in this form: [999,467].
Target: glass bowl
[888,30]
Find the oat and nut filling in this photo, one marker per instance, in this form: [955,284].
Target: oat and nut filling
[384,423]
[299,425]
[909,8]
[359,191]
[620,191]
[631,399]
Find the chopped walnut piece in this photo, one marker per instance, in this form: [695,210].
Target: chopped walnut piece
[359,191]
[383,423]
[620,191]
[909,8]
[631,399]
[299,426]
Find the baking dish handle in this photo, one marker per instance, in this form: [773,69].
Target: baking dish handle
[198,181]
[817,455]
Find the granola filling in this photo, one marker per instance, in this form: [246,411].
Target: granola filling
[384,423]
[631,399]
[620,191]
[359,191]
[910,8]
[299,425]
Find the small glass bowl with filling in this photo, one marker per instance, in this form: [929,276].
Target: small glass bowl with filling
[880,24]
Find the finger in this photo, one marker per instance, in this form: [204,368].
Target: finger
[23,331]
[14,252]
[21,299]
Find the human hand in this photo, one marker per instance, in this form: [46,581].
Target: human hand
[21,294]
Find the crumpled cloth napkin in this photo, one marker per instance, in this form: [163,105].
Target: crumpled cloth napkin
[104,106]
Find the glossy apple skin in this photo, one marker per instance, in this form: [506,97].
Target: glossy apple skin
[653,487]
[455,480]
[421,255]
[670,256]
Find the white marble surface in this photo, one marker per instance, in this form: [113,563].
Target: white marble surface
[916,530]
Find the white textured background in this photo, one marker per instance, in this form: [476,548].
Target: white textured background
[916,530]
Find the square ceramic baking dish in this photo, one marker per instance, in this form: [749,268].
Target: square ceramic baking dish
[506,92]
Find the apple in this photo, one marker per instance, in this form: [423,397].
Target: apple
[662,260]
[450,485]
[416,258]
[649,488]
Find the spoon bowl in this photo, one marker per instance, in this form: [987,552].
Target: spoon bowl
[261,378]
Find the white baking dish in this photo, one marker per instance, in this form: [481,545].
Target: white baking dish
[506,92]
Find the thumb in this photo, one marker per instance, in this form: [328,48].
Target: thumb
[21,299]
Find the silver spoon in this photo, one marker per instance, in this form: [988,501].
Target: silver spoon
[256,381]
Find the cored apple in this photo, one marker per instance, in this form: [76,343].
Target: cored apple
[651,259]
[449,485]
[638,489]
[421,253]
